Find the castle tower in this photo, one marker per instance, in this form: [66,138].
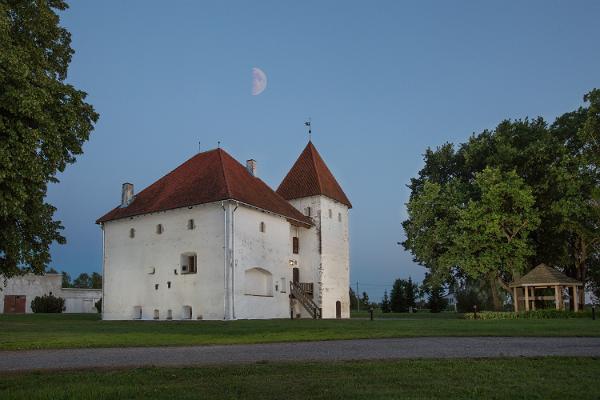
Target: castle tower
[324,252]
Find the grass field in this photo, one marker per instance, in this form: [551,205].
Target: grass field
[543,378]
[38,331]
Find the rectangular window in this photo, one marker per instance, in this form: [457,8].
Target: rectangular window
[340,217]
[330,213]
[159,229]
[192,265]
[191,224]
[307,211]
[295,245]
[263,227]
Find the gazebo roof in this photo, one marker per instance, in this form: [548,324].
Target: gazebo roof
[543,275]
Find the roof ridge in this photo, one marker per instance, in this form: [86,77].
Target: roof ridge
[312,149]
[227,189]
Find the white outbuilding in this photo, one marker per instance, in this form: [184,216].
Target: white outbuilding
[211,240]
[19,291]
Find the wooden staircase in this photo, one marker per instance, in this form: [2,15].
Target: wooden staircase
[300,292]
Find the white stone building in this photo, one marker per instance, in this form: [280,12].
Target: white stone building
[19,291]
[210,240]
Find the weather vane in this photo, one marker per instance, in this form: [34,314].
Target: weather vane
[307,123]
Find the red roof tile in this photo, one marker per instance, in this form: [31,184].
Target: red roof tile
[310,177]
[205,178]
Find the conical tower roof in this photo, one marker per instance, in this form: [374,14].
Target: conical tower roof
[310,177]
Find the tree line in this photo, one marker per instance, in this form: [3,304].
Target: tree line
[82,281]
[405,296]
[483,213]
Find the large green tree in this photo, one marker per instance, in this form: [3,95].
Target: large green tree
[494,240]
[44,122]
[558,164]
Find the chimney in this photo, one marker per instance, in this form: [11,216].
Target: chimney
[126,194]
[251,167]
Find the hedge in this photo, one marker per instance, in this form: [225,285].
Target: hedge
[537,314]
[48,304]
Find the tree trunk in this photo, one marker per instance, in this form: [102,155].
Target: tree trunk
[581,255]
[497,303]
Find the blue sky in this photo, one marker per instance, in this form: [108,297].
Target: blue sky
[381,81]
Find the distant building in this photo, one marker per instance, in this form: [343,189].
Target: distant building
[16,296]
[210,240]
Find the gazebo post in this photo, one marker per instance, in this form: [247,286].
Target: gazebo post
[516,298]
[533,295]
[557,296]
[526,297]
[575,299]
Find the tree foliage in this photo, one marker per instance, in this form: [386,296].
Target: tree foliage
[508,199]
[44,122]
[386,304]
[403,296]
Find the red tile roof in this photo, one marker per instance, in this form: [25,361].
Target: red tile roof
[205,178]
[310,177]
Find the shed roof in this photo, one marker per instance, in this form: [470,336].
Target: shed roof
[544,275]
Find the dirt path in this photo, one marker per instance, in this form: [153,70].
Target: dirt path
[336,350]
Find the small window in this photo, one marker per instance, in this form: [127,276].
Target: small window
[169,285]
[308,211]
[156,286]
[159,229]
[132,233]
[169,314]
[330,213]
[191,224]
[156,314]
[189,263]
[282,285]
[263,227]
[340,217]
[295,245]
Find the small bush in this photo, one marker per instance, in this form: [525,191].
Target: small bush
[537,314]
[48,304]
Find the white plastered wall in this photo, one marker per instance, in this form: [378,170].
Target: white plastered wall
[129,262]
[328,269]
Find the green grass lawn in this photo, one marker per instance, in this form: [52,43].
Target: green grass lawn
[542,378]
[38,331]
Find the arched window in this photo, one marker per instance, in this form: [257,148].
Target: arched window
[262,227]
[159,229]
[132,233]
[258,282]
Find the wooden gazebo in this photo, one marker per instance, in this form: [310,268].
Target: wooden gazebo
[544,277]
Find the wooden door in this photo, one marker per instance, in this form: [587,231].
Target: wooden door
[338,309]
[14,304]
[296,276]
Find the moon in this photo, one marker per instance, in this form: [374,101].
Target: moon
[259,81]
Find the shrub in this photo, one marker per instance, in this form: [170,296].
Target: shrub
[48,304]
[537,314]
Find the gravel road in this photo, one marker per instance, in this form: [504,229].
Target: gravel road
[335,350]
